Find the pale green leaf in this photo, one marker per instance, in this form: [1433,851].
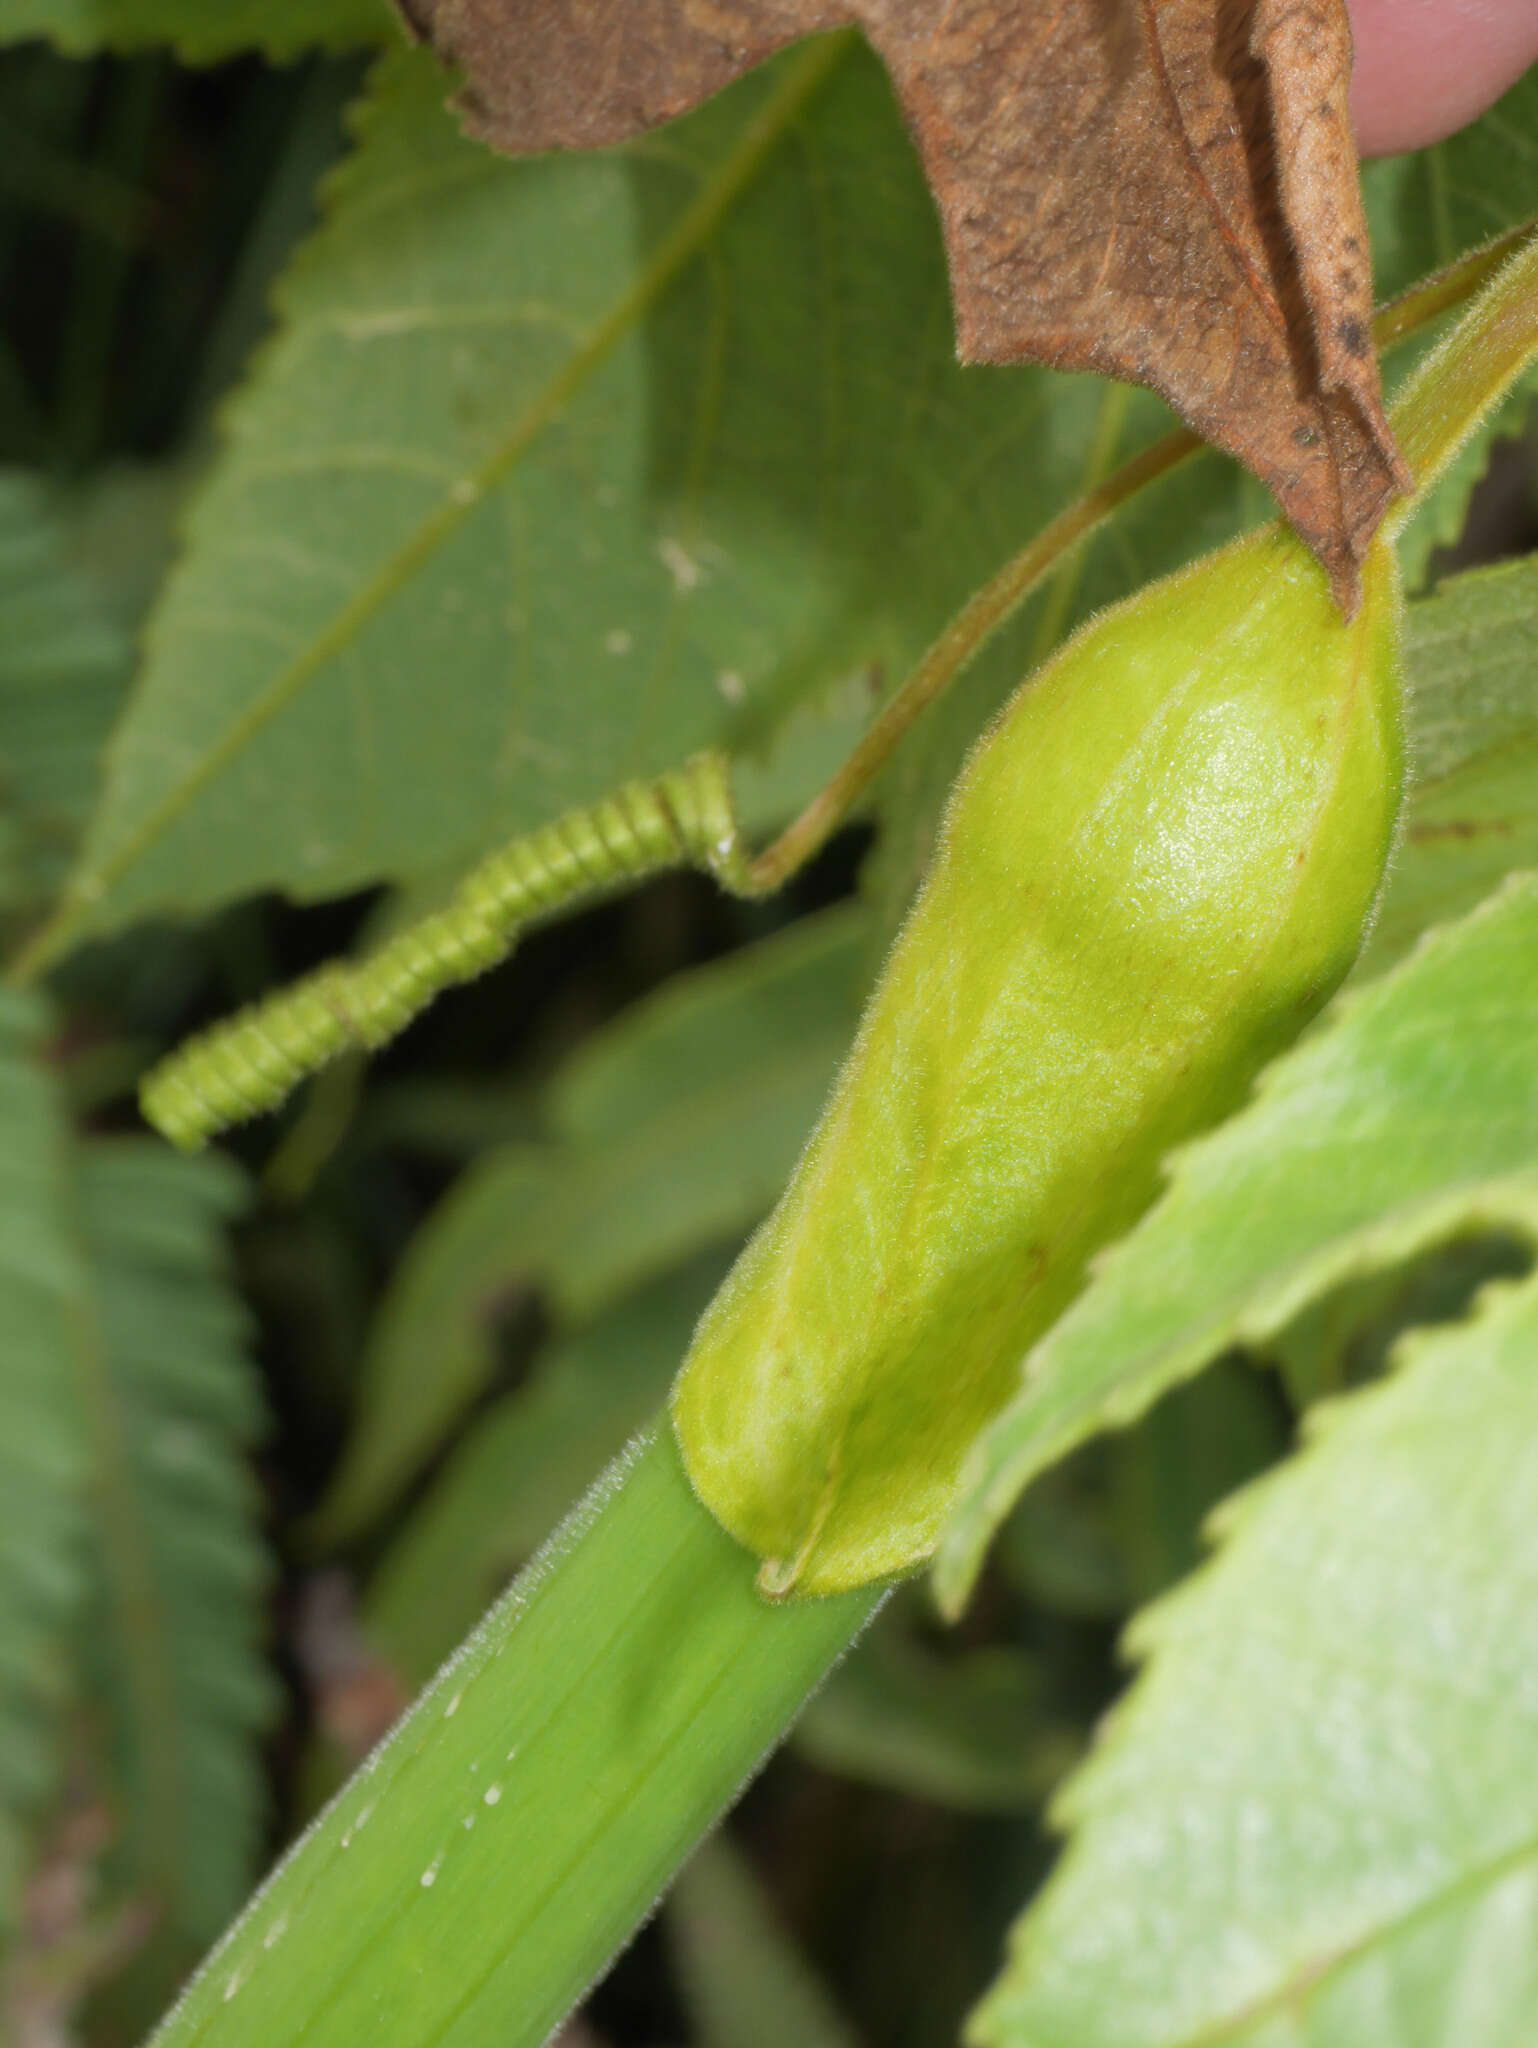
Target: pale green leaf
[1314,1823]
[1412,1117]
[198,31]
[675,1129]
[63,670]
[521,1466]
[43,1450]
[744,1979]
[177,1624]
[1471,658]
[522,1818]
[559,469]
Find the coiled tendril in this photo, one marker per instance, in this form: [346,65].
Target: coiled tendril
[250,1062]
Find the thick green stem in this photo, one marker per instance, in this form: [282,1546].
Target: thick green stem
[483,1867]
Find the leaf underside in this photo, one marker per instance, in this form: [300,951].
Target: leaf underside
[1314,1821]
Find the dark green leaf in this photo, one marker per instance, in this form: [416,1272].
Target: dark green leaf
[199,31]
[744,1979]
[969,1730]
[1122,1520]
[676,1126]
[626,451]
[63,670]
[521,1466]
[1427,208]
[44,1455]
[177,1625]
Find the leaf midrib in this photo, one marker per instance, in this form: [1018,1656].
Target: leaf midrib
[1303,1983]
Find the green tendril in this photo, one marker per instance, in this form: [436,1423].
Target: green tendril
[251,1062]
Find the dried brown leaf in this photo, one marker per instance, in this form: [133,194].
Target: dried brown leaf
[1160,190]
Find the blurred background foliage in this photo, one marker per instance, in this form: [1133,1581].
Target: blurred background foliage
[240,1520]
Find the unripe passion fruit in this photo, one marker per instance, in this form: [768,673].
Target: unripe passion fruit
[1155,867]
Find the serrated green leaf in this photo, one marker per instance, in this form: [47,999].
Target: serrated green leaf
[43,1451]
[1412,1117]
[675,1129]
[176,1630]
[63,670]
[522,1465]
[1315,1820]
[1471,657]
[627,451]
[198,31]
[523,1816]
[745,1982]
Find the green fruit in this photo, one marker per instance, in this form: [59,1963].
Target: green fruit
[1155,867]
